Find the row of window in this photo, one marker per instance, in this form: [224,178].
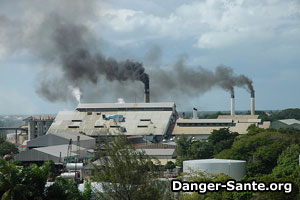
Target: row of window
[122,109]
[205,124]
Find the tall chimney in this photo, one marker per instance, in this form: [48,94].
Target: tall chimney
[232,111]
[147,91]
[252,103]
[195,114]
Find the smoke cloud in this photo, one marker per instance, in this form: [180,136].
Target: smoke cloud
[181,80]
[63,38]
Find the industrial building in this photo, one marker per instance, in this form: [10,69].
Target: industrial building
[286,123]
[57,154]
[202,128]
[162,155]
[150,120]
[53,139]
[38,125]
[233,168]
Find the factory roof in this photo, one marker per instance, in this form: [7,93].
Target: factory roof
[40,117]
[204,121]
[158,152]
[59,150]
[290,121]
[125,105]
[238,117]
[215,161]
[59,138]
[55,153]
[238,123]
[126,122]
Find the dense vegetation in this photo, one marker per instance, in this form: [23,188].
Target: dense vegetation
[17,182]
[129,174]
[271,155]
[124,173]
[7,148]
[189,148]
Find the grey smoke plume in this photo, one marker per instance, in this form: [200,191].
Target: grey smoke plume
[63,39]
[181,80]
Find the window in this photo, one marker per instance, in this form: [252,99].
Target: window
[142,126]
[145,120]
[76,120]
[101,126]
[73,126]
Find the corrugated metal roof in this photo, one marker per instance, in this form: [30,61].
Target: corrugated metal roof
[158,152]
[204,121]
[215,161]
[290,121]
[157,126]
[238,117]
[59,150]
[126,105]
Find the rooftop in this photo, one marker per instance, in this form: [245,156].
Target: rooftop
[126,105]
[290,121]
[215,161]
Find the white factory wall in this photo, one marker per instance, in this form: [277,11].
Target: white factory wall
[233,168]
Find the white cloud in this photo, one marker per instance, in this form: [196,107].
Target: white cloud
[211,23]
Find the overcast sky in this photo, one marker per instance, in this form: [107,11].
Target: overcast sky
[260,39]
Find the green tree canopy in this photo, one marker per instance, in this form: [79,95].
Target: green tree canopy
[17,182]
[260,150]
[288,161]
[128,174]
[222,139]
[190,148]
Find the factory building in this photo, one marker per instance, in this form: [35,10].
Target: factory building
[57,154]
[53,139]
[202,128]
[149,120]
[38,125]
[233,168]
[286,123]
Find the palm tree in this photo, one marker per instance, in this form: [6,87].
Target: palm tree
[11,186]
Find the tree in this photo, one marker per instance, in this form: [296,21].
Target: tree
[259,149]
[66,189]
[170,165]
[222,139]
[287,161]
[7,148]
[292,113]
[17,182]
[190,148]
[128,174]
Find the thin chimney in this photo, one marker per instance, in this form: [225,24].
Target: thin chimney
[147,92]
[232,105]
[252,103]
[195,114]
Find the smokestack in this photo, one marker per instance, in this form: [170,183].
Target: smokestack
[147,91]
[252,103]
[195,114]
[232,106]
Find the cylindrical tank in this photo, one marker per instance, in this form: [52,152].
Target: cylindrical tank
[233,168]
[68,175]
[74,166]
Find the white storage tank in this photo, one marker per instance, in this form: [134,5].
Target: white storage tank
[74,166]
[233,168]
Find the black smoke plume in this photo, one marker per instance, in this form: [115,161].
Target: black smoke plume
[71,55]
